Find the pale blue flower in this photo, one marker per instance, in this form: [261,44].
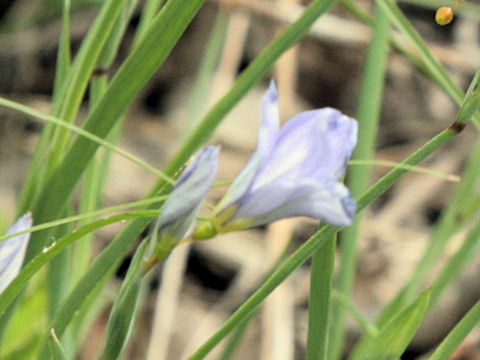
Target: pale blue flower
[185,199]
[12,251]
[295,171]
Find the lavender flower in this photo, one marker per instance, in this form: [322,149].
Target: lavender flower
[182,206]
[12,251]
[295,171]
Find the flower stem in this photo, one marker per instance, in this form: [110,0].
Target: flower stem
[359,178]
[323,262]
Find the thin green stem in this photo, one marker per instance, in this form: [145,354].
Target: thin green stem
[87,135]
[458,334]
[447,225]
[134,204]
[100,270]
[58,272]
[364,323]
[435,68]
[403,297]
[417,169]
[64,52]
[203,81]
[149,11]
[96,172]
[240,330]
[467,252]
[359,178]
[235,339]
[291,264]
[56,248]
[421,57]
[79,75]
[323,262]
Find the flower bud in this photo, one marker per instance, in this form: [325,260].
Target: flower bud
[12,251]
[187,195]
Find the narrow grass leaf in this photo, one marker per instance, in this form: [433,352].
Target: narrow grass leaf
[323,262]
[83,216]
[471,101]
[435,69]
[19,338]
[358,179]
[137,69]
[205,72]
[464,255]
[79,74]
[112,44]
[252,75]
[451,220]
[56,349]
[394,337]
[87,135]
[75,85]
[57,247]
[458,334]
[100,269]
[64,52]
[350,308]
[122,316]
[149,11]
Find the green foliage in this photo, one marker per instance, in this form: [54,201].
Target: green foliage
[56,349]
[393,338]
[67,155]
[458,334]
[122,316]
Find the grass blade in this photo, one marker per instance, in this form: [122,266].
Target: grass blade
[394,337]
[56,349]
[358,178]
[129,80]
[458,334]
[122,316]
[323,262]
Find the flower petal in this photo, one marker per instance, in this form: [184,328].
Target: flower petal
[267,138]
[269,129]
[191,187]
[241,184]
[12,251]
[314,144]
[330,202]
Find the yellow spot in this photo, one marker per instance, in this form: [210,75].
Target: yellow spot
[444,15]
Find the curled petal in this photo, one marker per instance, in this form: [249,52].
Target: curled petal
[12,251]
[330,202]
[267,138]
